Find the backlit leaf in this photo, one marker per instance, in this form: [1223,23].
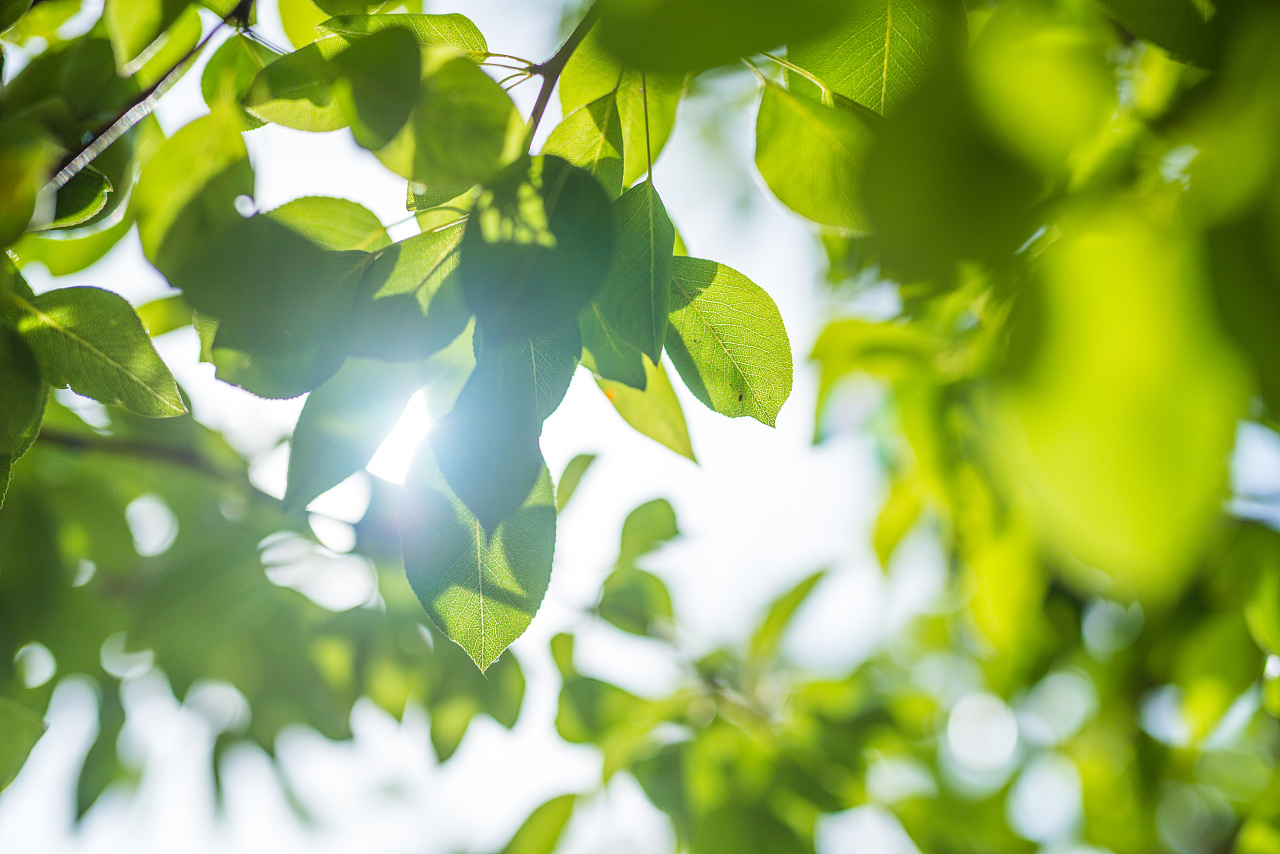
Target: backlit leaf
[727,341]
[778,618]
[409,304]
[592,73]
[607,354]
[80,198]
[487,446]
[453,29]
[654,412]
[635,295]
[536,248]
[480,590]
[635,601]
[591,137]
[463,129]
[881,49]
[569,480]
[812,156]
[646,527]
[378,85]
[343,423]
[231,71]
[91,340]
[134,24]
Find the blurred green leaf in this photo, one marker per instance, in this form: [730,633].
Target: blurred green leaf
[21,390]
[20,729]
[480,590]
[654,411]
[777,619]
[79,199]
[134,24]
[636,601]
[542,829]
[11,11]
[646,527]
[231,70]
[812,156]
[728,342]
[570,478]
[670,36]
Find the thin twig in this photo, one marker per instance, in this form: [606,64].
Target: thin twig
[551,69]
[139,108]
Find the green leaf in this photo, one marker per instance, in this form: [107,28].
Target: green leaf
[674,36]
[553,357]
[591,137]
[570,478]
[607,354]
[92,340]
[379,85]
[11,11]
[654,412]
[487,446]
[1186,28]
[453,29]
[881,50]
[811,156]
[542,829]
[334,224]
[283,302]
[27,157]
[187,192]
[230,73]
[463,129]
[342,423]
[636,601]
[727,341]
[21,390]
[409,304]
[20,729]
[64,256]
[165,315]
[593,73]
[646,527]
[1124,459]
[134,24]
[938,188]
[777,619]
[481,591]
[536,248]
[633,300]
[79,199]
[296,90]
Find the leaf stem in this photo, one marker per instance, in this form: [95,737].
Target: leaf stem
[551,69]
[828,96]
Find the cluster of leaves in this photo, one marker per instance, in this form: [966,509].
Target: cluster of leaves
[1073,201]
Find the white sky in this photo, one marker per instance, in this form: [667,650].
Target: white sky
[763,509]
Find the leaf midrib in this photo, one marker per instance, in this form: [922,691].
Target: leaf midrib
[692,303]
[76,339]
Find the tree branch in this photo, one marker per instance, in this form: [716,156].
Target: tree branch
[551,69]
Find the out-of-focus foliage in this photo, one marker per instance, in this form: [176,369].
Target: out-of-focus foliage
[1073,207]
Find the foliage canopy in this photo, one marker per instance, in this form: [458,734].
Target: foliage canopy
[1075,205]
